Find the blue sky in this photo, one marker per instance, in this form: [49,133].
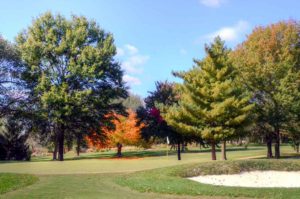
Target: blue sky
[156,37]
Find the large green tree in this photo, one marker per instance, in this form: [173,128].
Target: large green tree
[10,84]
[268,64]
[72,75]
[212,105]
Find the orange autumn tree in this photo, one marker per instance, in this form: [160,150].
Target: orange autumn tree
[126,132]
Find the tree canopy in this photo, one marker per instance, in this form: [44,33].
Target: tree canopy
[268,64]
[71,72]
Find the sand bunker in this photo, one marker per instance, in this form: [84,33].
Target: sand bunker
[253,179]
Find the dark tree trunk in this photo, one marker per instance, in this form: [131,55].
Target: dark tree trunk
[277,143]
[297,147]
[78,146]
[178,151]
[55,150]
[119,153]
[269,146]
[61,139]
[213,151]
[223,149]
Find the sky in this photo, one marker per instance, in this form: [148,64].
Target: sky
[156,37]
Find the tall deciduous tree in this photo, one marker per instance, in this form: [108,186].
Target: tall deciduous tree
[10,84]
[212,104]
[267,62]
[71,72]
[158,101]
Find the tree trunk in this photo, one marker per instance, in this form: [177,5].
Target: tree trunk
[213,151]
[269,146]
[178,151]
[61,139]
[223,149]
[277,143]
[55,150]
[78,146]
[297,147]
[119,146]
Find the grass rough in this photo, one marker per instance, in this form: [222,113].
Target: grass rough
[11,182]
[172,180]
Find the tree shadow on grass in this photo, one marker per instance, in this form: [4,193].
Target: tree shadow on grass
[288,156]
[135,154]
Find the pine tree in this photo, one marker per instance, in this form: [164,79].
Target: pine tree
[13,139]
[212,105]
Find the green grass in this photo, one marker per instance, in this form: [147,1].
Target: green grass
[139,153]
[173,179]
[10,182]
[83,186]
[107,165]
[96,175]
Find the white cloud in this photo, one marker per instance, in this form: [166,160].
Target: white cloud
[133,61]
[131,80]
[183,51]
[132,50]
[134,64]
[212,3]
[120,52]
[232,33]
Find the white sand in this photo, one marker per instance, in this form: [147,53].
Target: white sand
[253,179]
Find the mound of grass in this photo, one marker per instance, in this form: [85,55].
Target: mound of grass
[10,182]
[172,180]
[233,167]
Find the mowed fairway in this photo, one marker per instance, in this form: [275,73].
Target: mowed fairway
[95,178]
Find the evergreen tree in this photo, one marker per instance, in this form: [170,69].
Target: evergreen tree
[13,137]
[212,105]
[71,73]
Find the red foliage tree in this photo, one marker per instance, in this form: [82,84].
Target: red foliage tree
[126,132]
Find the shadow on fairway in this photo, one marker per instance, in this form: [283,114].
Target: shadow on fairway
[141,154]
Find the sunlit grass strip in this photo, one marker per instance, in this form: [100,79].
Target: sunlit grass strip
[10,181]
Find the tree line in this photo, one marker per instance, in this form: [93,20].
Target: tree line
[250,91]
[60,82]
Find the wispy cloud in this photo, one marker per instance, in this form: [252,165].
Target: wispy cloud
[183,51]
[230,33]
[120,52]
[131,80]
[212,3]
[132,63]
[132,50]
